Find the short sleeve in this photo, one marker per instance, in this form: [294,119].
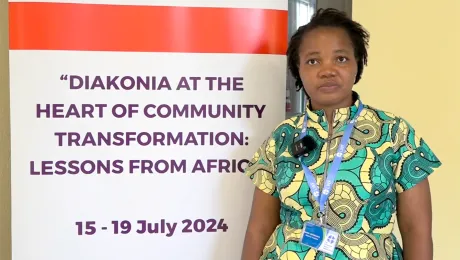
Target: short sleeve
[261,168]
[415,160]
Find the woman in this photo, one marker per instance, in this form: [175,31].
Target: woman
[370,179]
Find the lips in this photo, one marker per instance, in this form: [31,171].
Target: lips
[329,87]
[329,84]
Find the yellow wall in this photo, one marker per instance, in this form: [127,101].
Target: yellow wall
[414,71]
[5,241]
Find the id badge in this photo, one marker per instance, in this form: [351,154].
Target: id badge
[319,237]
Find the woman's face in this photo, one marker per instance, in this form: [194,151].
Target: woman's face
[327,67]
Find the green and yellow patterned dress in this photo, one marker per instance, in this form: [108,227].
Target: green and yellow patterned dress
[384,157]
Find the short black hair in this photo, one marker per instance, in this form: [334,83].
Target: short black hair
[329,17]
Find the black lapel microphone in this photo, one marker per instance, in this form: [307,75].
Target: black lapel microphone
[303,146]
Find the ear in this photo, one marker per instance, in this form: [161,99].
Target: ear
[298,84]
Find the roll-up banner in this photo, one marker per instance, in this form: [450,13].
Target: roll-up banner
[132,122]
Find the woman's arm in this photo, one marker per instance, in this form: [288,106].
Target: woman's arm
[414,220]
[264,217]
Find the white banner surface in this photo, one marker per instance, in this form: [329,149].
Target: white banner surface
[130,135]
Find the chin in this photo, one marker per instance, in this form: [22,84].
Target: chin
[331,99]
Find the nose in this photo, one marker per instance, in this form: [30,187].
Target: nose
[327,71]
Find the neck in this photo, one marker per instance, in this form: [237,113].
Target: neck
[330,108]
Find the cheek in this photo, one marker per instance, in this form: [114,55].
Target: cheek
[308,77]
[349,74]
[354,69]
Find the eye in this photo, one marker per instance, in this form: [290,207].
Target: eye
[342,59]
[312,62]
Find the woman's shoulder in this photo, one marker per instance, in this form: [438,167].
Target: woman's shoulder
[403,134]
[382,116]
[381,113]
[288,126]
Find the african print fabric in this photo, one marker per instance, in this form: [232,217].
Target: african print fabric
[384,157]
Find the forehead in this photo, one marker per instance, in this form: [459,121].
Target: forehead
[326,39]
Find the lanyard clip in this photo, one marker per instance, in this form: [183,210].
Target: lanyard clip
[322,217]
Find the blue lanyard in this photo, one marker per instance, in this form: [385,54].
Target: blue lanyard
[332,173]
